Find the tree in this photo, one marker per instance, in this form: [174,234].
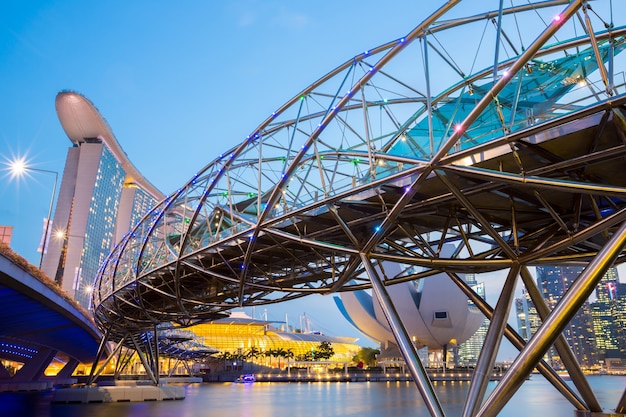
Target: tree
[224,356]
[282,353]
[324,351]
[253,353]
[269,353]
[367,355]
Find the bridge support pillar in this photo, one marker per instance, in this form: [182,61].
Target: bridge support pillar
[407,348]
[33,369]
[554,324]
[4,373]
[68,369]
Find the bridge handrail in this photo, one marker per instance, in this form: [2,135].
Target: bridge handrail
[35,272]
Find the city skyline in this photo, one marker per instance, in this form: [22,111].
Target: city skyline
[595,333]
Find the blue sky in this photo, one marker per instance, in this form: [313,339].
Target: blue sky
[178,82]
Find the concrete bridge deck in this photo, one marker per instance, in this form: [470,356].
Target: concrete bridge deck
[37,323]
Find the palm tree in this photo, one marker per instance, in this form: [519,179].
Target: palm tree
[289,355]
[280,353]
[269,353]
[224,356]
[253,353]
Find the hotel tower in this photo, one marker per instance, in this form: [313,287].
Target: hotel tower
[101,196]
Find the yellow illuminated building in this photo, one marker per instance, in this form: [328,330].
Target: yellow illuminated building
[239,334]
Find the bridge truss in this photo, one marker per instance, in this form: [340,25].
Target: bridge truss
[509,143]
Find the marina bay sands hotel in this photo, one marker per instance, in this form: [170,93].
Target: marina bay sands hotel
[101,196]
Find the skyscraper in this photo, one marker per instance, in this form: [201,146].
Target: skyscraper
[101,196]
[620,319]
[553,281]
[470,349]
[605,312]
[528,320]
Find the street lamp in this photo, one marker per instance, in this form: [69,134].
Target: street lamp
[18,168]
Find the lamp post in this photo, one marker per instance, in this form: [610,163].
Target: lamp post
[18,168]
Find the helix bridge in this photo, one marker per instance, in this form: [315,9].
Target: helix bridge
[509,144]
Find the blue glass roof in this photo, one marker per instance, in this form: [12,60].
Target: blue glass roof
[532,92]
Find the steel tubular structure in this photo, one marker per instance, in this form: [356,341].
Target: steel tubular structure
[509,144]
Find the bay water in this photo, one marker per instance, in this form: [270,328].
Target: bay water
[536,397]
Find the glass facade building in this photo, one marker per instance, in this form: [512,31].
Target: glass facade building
[470,349]
[606,312]
[238,335]
[528,320]
[597,331]
[101,196]
[580,334]
[100,229]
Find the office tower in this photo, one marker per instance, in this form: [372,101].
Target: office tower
[620,319]
[102,195]
[605,312]
[528,320]
[553,281]
[470,350]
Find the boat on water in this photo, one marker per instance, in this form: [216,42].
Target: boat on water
[245,379]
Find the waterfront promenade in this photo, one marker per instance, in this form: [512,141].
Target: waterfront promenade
[437,376]
[314,399]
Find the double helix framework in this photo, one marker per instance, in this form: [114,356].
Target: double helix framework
[509,143]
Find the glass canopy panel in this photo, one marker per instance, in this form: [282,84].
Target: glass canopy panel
[532,96]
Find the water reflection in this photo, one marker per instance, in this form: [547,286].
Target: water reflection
[323,399]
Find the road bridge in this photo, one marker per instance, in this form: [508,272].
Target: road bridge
[38,323]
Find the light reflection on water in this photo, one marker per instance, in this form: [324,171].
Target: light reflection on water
[323,399]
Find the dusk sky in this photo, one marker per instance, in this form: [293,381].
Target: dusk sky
[178,82]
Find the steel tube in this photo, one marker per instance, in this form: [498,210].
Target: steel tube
[554,324]
[621,405]
[560,344]
[516,340]
[101,348]
[404,342]
[489,351]
[144,360]
[156,355]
